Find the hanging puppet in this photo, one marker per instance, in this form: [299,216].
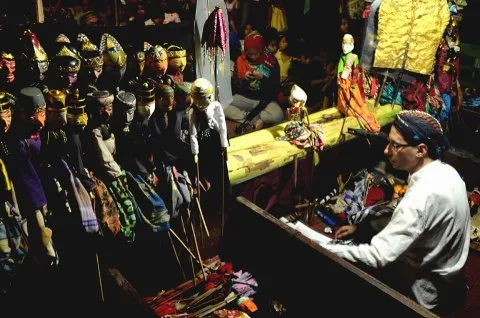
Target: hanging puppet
[115,64]
[177,61]
[92,65]
[28,121]
[351,98]
[35,61]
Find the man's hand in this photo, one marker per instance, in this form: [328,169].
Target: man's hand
[345,231]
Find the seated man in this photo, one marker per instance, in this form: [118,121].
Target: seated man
[426,242]
[256,79]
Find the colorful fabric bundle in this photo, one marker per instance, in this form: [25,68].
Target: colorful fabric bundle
[105,209]
[214,34]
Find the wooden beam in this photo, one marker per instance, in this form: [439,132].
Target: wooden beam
[254,154]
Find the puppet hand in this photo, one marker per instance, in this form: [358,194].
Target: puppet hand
[345,231]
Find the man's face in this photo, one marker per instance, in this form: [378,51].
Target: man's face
[401,155]
[6,119]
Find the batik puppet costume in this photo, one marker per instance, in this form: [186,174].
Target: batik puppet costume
[101,142]
[351,97]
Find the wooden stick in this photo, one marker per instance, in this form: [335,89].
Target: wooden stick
[189,257]
[223,190]
[197,199]
[176,256]
[380,91]
[100,278]
[189,251]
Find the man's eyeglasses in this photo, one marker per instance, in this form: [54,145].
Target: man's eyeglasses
[396,146]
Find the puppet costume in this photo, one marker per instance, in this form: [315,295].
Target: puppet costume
[101,159]
[351,98]
[208,134]
[409,32]
[26,172]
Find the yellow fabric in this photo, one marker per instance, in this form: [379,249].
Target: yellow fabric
[284,62]
[409,31]
[278,20]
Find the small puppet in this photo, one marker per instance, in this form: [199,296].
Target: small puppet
[156,62]
[36,64]
[64,68]
[213,117]
[177,61]
[92,65]
[8,65]
[351,97]
[115,64]
[297,110]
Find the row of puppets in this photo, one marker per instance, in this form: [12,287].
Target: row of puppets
[415,47]
[82,148]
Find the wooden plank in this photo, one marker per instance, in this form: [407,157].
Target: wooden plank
[356,281]
[258,153]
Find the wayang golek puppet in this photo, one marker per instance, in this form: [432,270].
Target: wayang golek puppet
[351,97]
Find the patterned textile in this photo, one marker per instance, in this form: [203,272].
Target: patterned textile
[409,33]
[126,205]
[105,209]
[154,213]
[11,253]
[83,203]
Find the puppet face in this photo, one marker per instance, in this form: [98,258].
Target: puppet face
[166,102]
[6,120]
[77,120]
[177,63]
[35,122]
[8,68]
[57,118]
[72,78]
[126,117]
[146,109]
[159,67]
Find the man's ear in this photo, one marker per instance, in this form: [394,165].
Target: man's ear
[422,150]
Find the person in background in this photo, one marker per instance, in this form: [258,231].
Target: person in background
[270,36]
[427,240]
[256,78]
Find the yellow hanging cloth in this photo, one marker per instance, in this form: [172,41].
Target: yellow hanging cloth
[278,19]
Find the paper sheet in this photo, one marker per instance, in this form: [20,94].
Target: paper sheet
[307,231]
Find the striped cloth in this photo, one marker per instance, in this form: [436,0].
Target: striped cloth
[83,202]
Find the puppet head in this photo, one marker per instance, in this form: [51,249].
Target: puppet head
[6,104]
[31,110]
[347,43]
[124,109]
[7,66]
[64,67]
[177,58]
[35,53]
[157,60]
[164,97]
[114,57]
[100,106]
[56,109]
[90,55]
[77,117]
[145,94]
[202,93]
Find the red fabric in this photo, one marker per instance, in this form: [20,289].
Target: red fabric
[374,195]
[415,96]
[214,280]
[165,309]
[226,268]
[254,42]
